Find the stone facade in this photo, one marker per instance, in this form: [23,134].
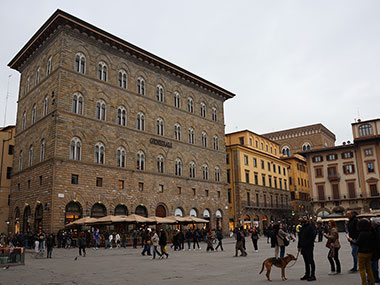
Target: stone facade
[7,141]
[48,181]
[300,139]
[258,180]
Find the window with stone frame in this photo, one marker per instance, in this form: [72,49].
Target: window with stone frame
[192,169]
[49,66]
[123,79]
[140,160]
[160,164]
[121,116]
[141,121]
[102,71]
[159,93]
[80,63]
[77,103]
[75,148]
[177,100]
[177,131]
[178,167]
[203,109]
[100,110]
[121,157]
[99,153]
[141,86]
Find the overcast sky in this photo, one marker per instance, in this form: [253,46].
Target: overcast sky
[290,63]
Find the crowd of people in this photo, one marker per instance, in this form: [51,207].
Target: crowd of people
[363,236]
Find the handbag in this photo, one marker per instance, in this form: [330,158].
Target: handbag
[286,241]
[328,244]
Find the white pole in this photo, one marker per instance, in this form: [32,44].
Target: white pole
[6,101]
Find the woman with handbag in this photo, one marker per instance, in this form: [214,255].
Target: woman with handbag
[279,239]
[333,245]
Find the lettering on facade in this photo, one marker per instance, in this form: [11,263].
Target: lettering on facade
[161,143]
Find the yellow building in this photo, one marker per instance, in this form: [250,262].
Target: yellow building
[258,180]
[6,157]
[299,185]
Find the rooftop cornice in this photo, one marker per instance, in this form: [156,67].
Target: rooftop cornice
[61,18]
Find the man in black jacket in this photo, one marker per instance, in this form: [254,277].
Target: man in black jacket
[306,247]
[353,233]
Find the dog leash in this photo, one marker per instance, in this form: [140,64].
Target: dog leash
[295,261]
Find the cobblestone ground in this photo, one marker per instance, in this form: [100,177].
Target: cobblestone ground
[127,266]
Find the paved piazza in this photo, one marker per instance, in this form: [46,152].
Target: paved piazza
[127,266]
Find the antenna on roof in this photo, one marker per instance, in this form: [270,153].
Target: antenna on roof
[6,101]
[358,113]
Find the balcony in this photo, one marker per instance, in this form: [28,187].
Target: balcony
[333,177]
[265,206]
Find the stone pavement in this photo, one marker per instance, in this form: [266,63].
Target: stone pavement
[127,266]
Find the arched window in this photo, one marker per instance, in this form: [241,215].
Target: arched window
[365,130]
[193,213]
[285,151]
[140,121]
[217,174]
[31,155]
[178,167]
[204,139]
[23,121]
[99,153]
[102,71]
[191,136]
[75,148]
[190,105]
[121,116]
[203,109]
[160,164]
[306,146]
[38,72]
[216,143]
[101,110]
[160,127]
[42,150]
[27,86]
[121,157]
[77,104]
[205,171]
[140,86]
[80,63]
[34,113]
[140,160]
[123,79]
[48,66]
[46,105]
[177,100]
[177,132]
[214,114]
[178,212]
[20,161]
[160,93]
[192,169]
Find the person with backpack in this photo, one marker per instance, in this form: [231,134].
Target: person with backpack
[219,237]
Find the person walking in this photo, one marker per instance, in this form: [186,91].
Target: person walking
[135,238]
[189,237]
[210,240]
[162,242]
[82,244]
[117,240]
[49,245]
[123,239]
[255,237]
[353,234]
[196,237]
[239,243]
[96,239]
[146,242]
[306,247]
[366,246]
[334,246]
[155,242]
[219,237]
[181,240]
[110,240]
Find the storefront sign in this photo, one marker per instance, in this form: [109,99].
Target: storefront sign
[161,143]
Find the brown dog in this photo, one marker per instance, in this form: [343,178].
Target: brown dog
[282,262]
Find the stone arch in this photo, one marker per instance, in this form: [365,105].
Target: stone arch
[179,211]
[27,216]
[141,210]
[161,210]
[38,217]
[98,210]
[120,209]
[73,211]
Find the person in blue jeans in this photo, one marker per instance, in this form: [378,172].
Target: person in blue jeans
[353,233]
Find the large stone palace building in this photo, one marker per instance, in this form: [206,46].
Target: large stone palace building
[258,180]
[304,138]
[346,177]
[105,127]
